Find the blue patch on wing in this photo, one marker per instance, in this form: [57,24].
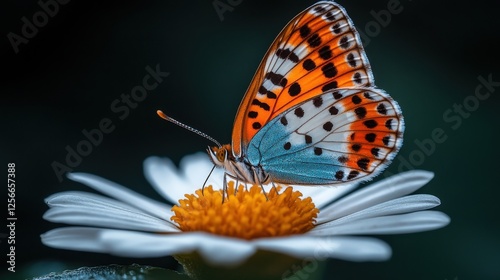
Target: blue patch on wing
[290,160]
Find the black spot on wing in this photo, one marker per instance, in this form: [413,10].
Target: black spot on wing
[370,137]
[294,89]
[318,101]
[287,54]
[308,64]
[329,70]
[325,52]
[329,86]
[304,31]
[353,174]
[262,105]
[276,79]
[360,112]
[299,112]
[339,175]
[314,41]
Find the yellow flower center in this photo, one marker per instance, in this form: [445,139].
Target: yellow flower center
[247,213]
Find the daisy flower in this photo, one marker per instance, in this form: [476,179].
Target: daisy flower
[266,235]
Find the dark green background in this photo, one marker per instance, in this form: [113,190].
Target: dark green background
[429,57]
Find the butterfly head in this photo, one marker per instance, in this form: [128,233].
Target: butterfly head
[219,154]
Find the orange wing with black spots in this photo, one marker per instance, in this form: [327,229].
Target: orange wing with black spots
[318,51]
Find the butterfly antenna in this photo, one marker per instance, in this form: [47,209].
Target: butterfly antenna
[176,122]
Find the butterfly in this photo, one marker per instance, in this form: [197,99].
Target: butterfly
[312,114]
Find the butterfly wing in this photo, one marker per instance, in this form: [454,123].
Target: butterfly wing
[335,137]
[318,50]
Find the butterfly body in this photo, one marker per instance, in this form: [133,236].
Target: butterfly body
[312,115]
[237,167]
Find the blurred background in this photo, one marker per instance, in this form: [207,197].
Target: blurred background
[430,56]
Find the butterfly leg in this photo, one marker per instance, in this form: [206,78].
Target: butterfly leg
[236,186]
[206,180]
[264,191]
[224,187]
[258,180]
[274,188]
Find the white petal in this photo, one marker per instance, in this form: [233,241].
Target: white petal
[406,204]
[163,175]
[155,208]
[83,208]
[223,250]
[322,195]
[319,248]
[116,242]
[395,224]
[214,249]
[196,168]
[381,191]
[74,238]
